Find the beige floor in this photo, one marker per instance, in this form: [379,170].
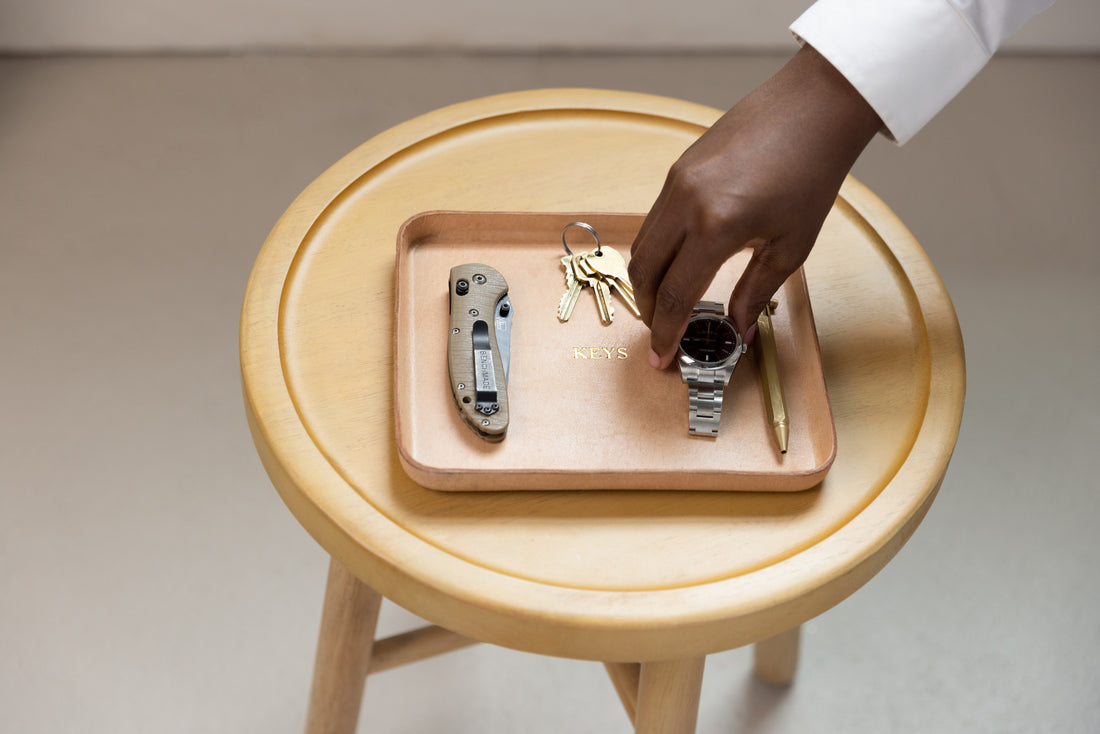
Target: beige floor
[151,581]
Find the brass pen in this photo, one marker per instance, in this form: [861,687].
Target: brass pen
[768,358]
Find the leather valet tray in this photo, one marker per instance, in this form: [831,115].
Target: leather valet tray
[586,409]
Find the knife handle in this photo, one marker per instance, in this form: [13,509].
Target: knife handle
[474,361]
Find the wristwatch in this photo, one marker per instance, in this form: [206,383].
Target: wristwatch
[709,352]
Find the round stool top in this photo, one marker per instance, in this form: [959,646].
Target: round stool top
[602,575]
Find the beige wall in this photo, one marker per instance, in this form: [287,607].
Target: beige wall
[106,25]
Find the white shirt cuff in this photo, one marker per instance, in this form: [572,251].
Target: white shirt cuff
[907,58]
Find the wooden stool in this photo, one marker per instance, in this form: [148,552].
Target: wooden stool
[647,582]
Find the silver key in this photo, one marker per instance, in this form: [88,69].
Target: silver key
[572,290]
[611,266]
[584,272]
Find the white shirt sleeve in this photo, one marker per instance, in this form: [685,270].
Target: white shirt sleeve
[909,58]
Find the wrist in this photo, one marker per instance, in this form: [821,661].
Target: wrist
[830,104]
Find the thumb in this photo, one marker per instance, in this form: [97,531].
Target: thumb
[767,270]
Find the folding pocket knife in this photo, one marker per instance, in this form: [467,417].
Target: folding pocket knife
[480,348]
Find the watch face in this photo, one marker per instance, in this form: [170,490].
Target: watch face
[709,339]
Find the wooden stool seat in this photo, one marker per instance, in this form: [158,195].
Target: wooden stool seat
[647,582]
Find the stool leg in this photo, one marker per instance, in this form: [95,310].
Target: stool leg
[343,653]
[775,660]
[625,676]
[668,697]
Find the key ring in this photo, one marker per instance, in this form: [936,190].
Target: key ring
[582,225]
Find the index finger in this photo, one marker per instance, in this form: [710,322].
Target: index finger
[652,252]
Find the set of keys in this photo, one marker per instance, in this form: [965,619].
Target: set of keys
[603,270]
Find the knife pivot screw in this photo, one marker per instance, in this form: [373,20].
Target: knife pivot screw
[479,278]
[462,287]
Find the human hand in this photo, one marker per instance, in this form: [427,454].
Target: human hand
[764,176]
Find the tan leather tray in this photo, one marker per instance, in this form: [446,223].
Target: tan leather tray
[587,410]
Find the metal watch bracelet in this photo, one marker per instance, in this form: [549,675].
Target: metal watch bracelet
[705,391]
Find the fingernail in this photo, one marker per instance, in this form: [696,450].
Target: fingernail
[654,360]
[750,334]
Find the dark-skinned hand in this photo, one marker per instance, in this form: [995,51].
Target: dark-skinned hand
[764,176]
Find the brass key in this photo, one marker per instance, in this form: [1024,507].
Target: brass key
[587,274]
[610,265]
[572,290]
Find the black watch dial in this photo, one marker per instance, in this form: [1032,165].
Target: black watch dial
[709,339]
